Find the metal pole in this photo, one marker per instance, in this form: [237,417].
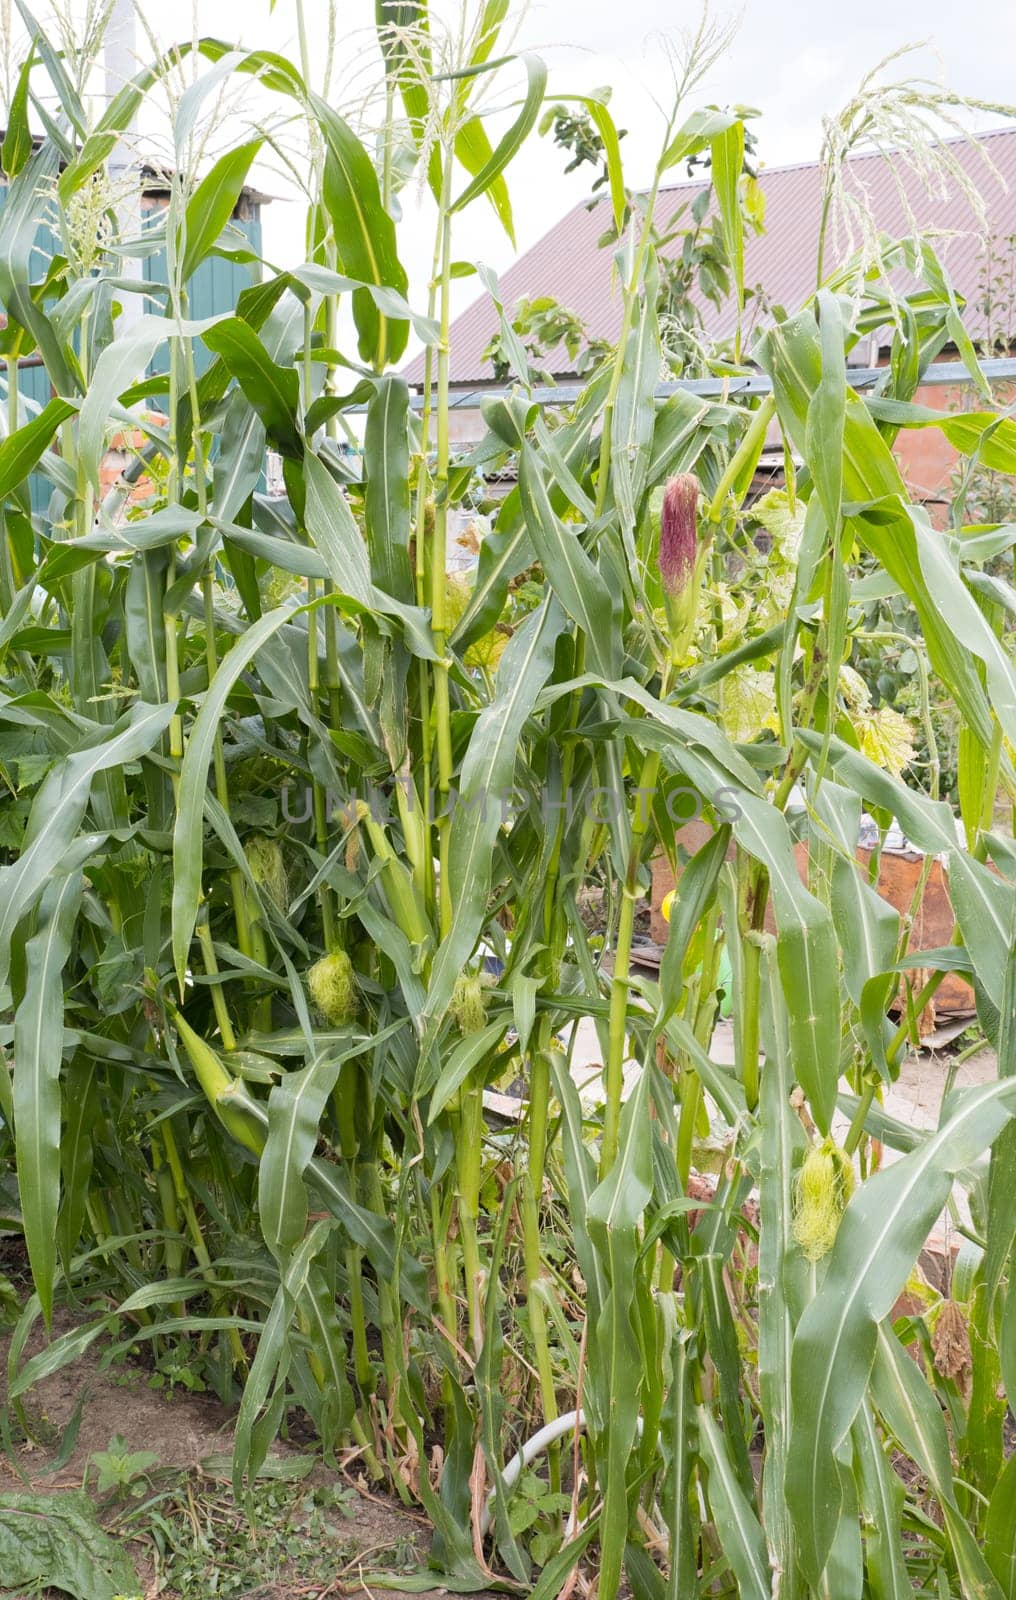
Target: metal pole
[1001,369]
[121,63]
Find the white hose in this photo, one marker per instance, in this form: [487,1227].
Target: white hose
[571,1422]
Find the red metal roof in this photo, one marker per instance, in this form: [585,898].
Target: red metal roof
[568,264]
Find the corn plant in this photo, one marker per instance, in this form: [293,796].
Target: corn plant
[298,832]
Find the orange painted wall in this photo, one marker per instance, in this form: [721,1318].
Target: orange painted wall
[926,458]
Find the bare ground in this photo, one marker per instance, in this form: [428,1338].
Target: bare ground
[191,1436]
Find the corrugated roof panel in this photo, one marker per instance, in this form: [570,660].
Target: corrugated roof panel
[568,263]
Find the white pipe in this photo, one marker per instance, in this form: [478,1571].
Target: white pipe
[571,1422]
[549,1434]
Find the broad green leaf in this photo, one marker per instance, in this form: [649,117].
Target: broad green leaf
[987,435]
[694,893]
[27,198]
[791,354]
[468,1053]
[939,558]
[781,1143]
[827,415]
[119,366]
[272,1359]
[698,131]
[334,529]
[983,903]
[55,1541]
[867,926]
[633,422]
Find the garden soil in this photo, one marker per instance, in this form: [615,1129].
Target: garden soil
[192,1433]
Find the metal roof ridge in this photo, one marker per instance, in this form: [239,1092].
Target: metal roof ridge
[974,137]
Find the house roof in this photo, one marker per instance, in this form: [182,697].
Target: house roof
[568,264]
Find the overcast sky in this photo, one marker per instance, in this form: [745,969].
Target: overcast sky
[795,61]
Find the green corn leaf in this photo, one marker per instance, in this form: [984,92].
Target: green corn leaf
[390,302]
[119,365]
[1002,1172]
[27,197]
[984,904]
[485,785]
[866,925]
[939,559]
[468,1053]
[698,131]
[607,130]
[695,891]
[781,1144]
[580,1173]
[386,458]
[881,1233]
[791,354]
[20,451]
[49,844]
[76,1154]
[509,144]
[727,152]
[334,529]
[571,573]
[213,203]
[273,390]
[295,1107]
[52,59]
[677,1446]
[374,1234]
[187,833]
[982,434]
[38,1057]
[17,141]
[1000,1530]
[271,1362]
[737,1525]
[720,1336]
[911,1412]
[881,1496]
[806,955]
[633,424]
[615,1211]
[364,235]
[827,414]
[488,1380]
